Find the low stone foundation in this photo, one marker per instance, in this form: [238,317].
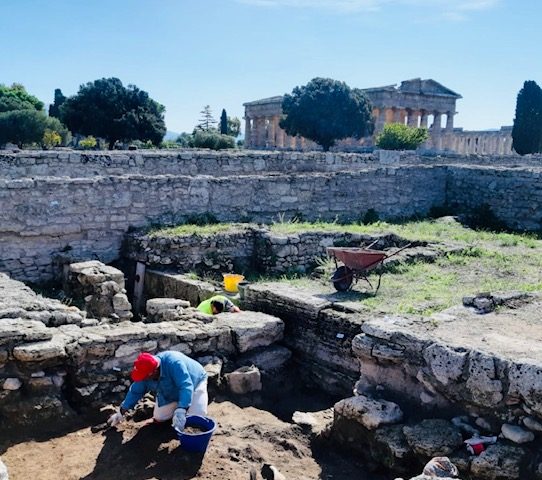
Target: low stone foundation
[47,372]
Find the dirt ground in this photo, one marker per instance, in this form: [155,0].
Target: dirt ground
[245,438]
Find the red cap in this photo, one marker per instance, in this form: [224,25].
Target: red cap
[144,366]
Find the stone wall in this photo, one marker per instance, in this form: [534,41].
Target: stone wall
[514,194]
[47,220]
[33,164]
[85,218]
[244,249]
[319,335]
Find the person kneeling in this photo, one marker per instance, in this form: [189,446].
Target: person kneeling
[178,381]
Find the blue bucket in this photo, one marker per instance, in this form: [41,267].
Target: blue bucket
[197,442]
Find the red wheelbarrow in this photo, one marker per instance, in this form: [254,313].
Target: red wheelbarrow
[358,262]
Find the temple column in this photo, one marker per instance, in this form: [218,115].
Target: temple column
[248,132]
[423,119]
[261,133]
[271,132]
[380,120]
[280,132]
[396,115]
[412,118]
[436,131]
[449,122]
[402,116]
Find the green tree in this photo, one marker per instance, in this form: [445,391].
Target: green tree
[184,140]
[527,130]
[396,136]
[212,140]
[325,111]
[54,108]
[207,121]
[17,98]
[224,122]
[234,127]
[106,108]
[22,127]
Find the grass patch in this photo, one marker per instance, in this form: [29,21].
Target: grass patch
[192,229]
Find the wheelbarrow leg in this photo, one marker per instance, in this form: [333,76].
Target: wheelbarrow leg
[379,279]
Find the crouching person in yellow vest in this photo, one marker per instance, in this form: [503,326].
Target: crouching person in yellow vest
[217,304]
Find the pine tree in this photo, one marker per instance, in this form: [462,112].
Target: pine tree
[527,130]
[224,122]
[206,122]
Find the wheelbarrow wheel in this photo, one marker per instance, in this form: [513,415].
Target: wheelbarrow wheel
[342,278]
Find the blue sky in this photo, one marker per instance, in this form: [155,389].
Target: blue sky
[189,53]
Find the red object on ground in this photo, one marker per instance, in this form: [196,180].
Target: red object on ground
[476,449]
[145,365]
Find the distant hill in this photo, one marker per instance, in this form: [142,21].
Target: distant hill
[171,135]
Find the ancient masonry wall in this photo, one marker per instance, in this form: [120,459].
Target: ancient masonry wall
[28,164]
[85,213]
[86,218]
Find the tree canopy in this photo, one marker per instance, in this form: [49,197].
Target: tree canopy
[106,108]
[54,108]
[17,98]
[527,130]
[325,111]
[224,122]
[396,136]
[207,121]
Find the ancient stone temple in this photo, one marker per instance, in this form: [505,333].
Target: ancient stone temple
[416,102]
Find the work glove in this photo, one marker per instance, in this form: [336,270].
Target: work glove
[116,418]
[179,419]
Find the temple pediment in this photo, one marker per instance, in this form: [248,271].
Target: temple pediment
[426,87]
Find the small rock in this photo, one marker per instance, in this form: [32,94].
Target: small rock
[499,462]
[244,380]
[516,434]
[370,413]
[12,384]
[269,472]
[440,467]
[483,424]
[3,471]
[532,424]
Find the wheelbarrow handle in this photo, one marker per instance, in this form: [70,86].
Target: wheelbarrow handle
[398,251]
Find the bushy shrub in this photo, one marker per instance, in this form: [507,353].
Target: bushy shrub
[371,216]
[51,139]
[397,136]
[88,142]
[212,140]
[201,219]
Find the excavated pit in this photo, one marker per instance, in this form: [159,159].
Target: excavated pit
[422,385]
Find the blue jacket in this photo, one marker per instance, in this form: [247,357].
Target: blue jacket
[179,376]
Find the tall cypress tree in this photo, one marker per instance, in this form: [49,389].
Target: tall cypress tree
[224,122]
[527,130]
[54,108]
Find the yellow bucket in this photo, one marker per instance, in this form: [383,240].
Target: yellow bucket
[231,282]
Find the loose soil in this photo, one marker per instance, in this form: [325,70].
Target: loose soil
[245,438]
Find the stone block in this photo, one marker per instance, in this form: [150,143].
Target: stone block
[253,329]
[12,384]
[40,351]
[120,302]
[156,306]
[369,412]
[516,434]
[19,330]
[499,462]
[244,380]
[133,349]
[267,360]
[433,438]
